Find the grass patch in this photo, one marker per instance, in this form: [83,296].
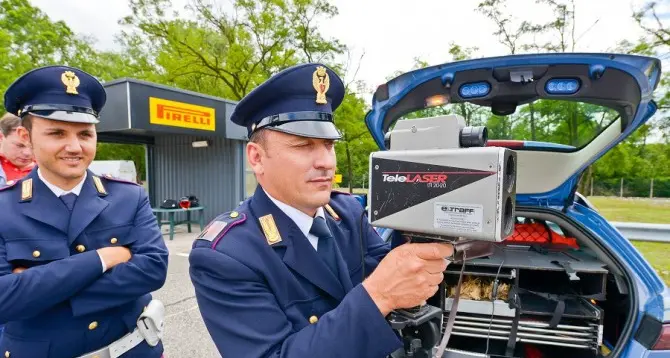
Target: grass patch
[658,255]
[656,211]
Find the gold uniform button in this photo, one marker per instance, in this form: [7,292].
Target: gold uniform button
[93,325]
[313,319]
[113,240]
[7,354]
[81,248]
[234,214]
[36,254]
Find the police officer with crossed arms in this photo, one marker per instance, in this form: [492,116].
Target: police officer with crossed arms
[282,274]
[79,253]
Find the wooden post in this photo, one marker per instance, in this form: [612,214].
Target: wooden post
[621,189]
[591,186]
[651,188]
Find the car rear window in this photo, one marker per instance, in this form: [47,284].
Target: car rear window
[554,121]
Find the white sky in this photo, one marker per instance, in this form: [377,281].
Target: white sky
[392,35]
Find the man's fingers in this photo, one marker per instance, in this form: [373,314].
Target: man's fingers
[18,270]
[432,251]
[435,266]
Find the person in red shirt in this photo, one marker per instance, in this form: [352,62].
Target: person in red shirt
[16,155]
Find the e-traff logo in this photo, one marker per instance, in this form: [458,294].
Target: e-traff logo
[457,209]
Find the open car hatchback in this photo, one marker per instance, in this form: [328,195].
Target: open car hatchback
[559,113]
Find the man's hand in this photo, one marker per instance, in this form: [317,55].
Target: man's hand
[113,256]
[408,275]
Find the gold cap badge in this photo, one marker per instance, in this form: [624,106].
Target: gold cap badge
[321,83]
[71,81]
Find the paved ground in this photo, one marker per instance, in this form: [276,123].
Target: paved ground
[185,332]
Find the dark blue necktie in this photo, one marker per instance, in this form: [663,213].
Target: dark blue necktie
[68,200]
[326,248]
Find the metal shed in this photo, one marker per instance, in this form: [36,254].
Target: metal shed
[192,147]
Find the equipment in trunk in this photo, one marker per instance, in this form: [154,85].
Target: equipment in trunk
[524,296]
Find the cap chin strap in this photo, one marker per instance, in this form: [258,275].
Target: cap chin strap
[279,119]
[56,107]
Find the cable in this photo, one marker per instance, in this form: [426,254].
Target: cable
[452,314]
[494,295]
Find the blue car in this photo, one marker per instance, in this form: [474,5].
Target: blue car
[559,113]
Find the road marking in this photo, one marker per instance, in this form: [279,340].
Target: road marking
[182,254]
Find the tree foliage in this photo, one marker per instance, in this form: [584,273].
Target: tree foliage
[227,50]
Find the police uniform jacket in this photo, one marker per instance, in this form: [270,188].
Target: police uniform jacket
[263,291]
[63,305]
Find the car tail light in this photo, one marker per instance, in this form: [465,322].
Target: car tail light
[663,342]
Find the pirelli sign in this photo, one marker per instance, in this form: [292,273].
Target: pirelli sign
[178,114]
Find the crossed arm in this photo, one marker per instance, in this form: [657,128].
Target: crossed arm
[79,278]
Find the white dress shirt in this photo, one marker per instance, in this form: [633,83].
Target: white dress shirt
[302,220]
[60,192]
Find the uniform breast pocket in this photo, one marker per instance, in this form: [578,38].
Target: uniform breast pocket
[118,235]
[29,252]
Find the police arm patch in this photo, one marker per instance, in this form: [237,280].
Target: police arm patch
[215,230]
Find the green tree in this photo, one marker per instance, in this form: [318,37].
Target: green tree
[30,39]
[228,53]
[656,42]
[354,148]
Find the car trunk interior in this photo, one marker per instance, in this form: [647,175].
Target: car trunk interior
[571,299]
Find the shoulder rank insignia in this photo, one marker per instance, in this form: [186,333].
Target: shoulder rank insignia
[215,230]
[113,178]
[27,189]
[99,186]
[270,229]
[8,185]
[332,212]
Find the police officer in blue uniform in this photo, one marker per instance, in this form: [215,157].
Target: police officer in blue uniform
[296,270]
[79,253]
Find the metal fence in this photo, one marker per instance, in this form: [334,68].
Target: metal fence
[631,187]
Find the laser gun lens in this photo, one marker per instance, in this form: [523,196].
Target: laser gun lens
[474,136]
[508,218]
[510,173]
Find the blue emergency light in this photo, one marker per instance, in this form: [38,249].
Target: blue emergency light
[562,86]
[474,90]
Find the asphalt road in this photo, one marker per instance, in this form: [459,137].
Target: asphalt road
[185,332]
